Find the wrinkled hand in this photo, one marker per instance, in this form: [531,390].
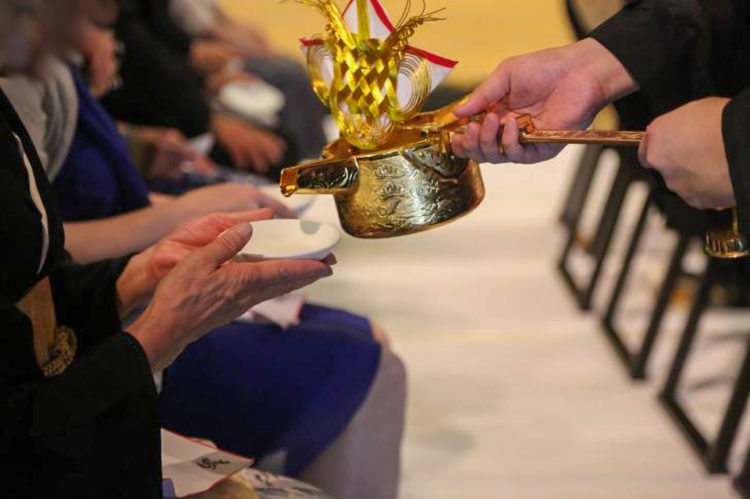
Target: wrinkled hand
[229,198]
[250,148]
[561,88]
[188,237]
[211,56]
[686,147]
[144,270]
[208,289]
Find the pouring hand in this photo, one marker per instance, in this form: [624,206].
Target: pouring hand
[561,88]
[686,147]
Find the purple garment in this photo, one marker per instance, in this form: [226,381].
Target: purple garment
[98,178]
[254,389]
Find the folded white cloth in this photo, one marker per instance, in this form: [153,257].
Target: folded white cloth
[283,311]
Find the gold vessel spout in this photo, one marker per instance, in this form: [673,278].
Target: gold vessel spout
[320,177]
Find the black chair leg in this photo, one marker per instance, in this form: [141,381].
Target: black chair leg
[713,454]
[623,353]
[636,361]
[603,235]
[717,456]
[573,208]
[562,266]
[700,302]
[607,227]
[580,187]
[640,360]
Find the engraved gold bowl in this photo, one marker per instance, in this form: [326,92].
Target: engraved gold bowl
[413,184]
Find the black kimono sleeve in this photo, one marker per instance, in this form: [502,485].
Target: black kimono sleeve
[680,50]
[89,432]
[683,50]
[736,131]
[92,431]
[86,298]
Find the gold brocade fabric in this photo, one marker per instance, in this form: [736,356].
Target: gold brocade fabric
[54,347]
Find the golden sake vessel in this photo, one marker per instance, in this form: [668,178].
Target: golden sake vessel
[388,178]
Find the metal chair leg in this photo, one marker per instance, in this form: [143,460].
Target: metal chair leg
[700,303]
[580,187]
[636,361]
[562,266]
[713,454]
[603,237]
[615,201]
[718,454]
[615,338]
[607,226]
[639,361]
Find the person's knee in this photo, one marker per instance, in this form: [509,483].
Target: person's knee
[395,367]
[379,335]
[391,381]
[392,374]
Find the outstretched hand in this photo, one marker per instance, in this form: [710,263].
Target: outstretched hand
[145,270]
[191,236]
[561,88]
[208,289]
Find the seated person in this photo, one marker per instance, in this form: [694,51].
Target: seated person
[79,409]
[205,21]
[158,87]
[312,394]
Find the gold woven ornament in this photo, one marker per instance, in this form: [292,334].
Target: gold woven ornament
[364,70]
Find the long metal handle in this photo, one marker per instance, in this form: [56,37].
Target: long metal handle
[531,135]
[601,137]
